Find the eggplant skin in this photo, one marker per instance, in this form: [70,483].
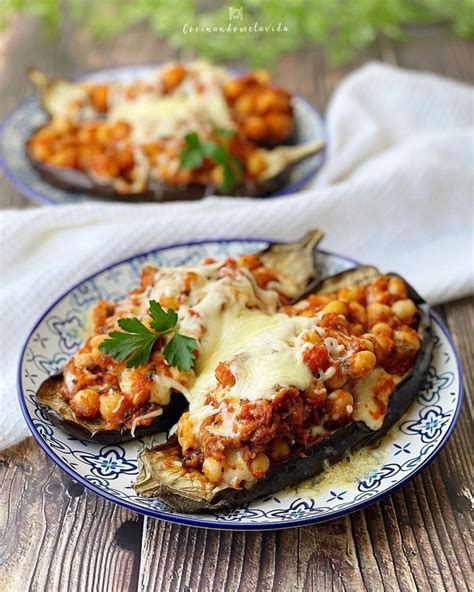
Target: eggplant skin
[59,412]
[77,181]
[156,480]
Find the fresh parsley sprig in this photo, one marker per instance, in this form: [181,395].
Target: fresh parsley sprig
[195,151]
[135,342]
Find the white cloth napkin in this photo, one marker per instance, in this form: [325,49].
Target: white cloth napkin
[396,192]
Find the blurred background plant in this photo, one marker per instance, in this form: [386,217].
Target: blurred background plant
[342,27]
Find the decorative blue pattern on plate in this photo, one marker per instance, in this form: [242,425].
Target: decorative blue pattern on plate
[110,470]
[28,116]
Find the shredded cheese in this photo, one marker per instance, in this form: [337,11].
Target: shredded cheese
[140,418]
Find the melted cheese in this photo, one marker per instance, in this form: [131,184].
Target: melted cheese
[366,407]
[153,116]
[62,95]
[272,358]
[227,334]
[195,104]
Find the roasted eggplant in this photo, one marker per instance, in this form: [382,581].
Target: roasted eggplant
[61,414]
[102,140]
[186,490]
[296,260]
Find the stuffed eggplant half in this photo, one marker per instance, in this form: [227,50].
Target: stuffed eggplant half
[276,401]
[185,131]
[135,373]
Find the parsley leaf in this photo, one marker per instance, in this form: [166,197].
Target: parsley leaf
[163,321]
[195,151]
[179,352]
[192,156]
[133,347]
[135,343]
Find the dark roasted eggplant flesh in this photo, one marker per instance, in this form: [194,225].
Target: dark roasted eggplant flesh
[61,414]
[184,489]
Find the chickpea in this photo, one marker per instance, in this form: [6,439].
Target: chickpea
[256,163]
[233,88]
[335,306]
[120,130]
[404,310]
[367,342]
[102,134]
[378,312]
[313,338]
[383,346]
[382,296]
[397,287]
[244,105]
[66,158]
[336,382]
[406,338]
[255,128]
[357,312]
[110,405]
[213,469]
[260,465]
[84,360]
[172,77]
[382,329]
[85,403]
[362,363]
[265,101]
[280,124]
[99,95]
[169,301]
[262,76]
[62,125]
[339,406]
[349,294]
[280,450]
[40,151]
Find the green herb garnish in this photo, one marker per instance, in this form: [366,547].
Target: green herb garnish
[135,342]
[195,151]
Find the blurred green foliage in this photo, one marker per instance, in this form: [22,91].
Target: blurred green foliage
[342,27]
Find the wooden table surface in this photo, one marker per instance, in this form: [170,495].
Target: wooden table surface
[54,535]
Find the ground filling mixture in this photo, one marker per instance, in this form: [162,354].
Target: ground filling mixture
[269,378]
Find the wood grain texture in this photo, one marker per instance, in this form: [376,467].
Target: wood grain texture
[55,536]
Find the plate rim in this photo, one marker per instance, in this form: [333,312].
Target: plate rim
[43,199]
[184,520]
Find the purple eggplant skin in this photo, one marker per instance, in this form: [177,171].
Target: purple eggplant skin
[331,449]
[77,181]
[58,411]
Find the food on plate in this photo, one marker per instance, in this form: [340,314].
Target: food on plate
[133,375]
[283,373]
[188,130]
[331,375]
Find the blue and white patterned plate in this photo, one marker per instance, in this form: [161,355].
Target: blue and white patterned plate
[28,116]
[111,470]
